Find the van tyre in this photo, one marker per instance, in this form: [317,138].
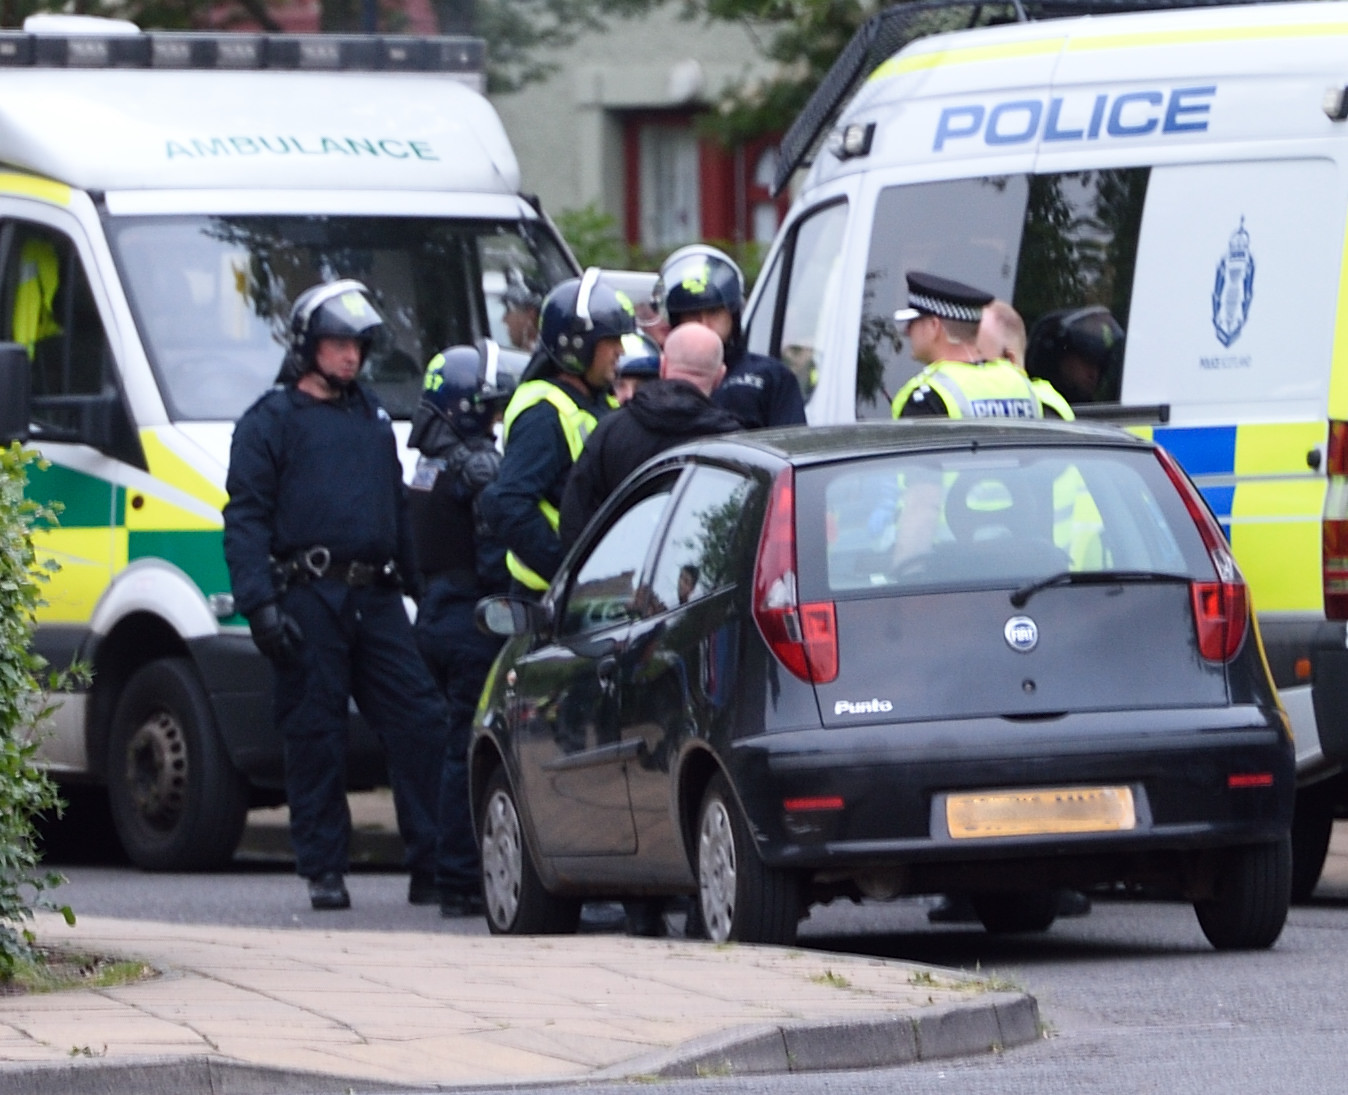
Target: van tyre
[516,901]
[1312,826]
[177,801]
[1004,913]
[742,899]
[1253,891]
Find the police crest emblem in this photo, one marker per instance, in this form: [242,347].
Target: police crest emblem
[1234,287]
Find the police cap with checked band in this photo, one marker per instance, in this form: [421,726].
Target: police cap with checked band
[929,295]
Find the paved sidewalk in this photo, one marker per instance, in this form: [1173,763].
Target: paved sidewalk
[240,1011]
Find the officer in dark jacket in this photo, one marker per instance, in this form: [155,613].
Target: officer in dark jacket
[318,545]
[699,284]
[564,394]
[461,561]
[662,413]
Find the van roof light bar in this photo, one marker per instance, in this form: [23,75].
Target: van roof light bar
[456,56]
[884,33]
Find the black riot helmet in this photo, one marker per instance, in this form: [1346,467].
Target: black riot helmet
[467,386]
[579,313]
[1079,351]
[337,309]
[698,278]
[640,357]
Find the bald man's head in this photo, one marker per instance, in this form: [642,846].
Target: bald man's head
[1002,333]
[693,353]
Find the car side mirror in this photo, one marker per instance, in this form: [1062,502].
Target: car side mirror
[16,393]
[509,616]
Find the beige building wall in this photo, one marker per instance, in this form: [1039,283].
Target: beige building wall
[567,130]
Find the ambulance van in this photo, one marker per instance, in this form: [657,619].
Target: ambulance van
[163,199]
[1173,184]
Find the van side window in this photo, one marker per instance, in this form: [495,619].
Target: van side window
[801,292]
[1062,248]
[47,307]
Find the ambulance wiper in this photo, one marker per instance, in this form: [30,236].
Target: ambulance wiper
[1092,578]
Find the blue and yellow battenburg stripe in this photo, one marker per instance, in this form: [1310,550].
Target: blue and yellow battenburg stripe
[1268,499]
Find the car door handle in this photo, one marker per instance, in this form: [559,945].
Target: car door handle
[606,668]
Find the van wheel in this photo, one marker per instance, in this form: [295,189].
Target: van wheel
[741,898]
[1312,826]
[177,802]
[517,903]
[1254,889]
[1003,913]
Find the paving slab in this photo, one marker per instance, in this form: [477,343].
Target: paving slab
[246,1011]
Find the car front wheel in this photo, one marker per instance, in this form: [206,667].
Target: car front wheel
[742,899]
[1253,892]
[517,903]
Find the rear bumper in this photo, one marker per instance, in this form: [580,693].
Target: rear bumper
[893,783]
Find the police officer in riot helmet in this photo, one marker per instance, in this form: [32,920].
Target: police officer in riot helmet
[700,284]
[320,554]
[638,363]
[565,391]
[1080,352]
[461,561]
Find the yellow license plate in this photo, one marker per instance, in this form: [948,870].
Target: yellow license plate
[1038,811]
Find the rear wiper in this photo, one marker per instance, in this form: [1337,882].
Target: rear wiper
[1092,577]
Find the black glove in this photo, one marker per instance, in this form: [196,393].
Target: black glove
[276,634]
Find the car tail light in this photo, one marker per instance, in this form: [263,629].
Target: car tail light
[803,637]
[1334,530]
[1221,608]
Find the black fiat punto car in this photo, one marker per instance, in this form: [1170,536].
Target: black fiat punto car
[791,666]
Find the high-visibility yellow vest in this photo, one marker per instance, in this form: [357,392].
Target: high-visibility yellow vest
[1052,399]
[39,276]
[577,425]
[987,389]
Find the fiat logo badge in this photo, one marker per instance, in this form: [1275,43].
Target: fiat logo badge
[1022,634]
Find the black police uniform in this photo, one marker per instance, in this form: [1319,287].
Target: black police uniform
[305,474]
[536,465]
[759,391]
[461,561]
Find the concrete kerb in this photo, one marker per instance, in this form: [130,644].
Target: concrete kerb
[997,1020]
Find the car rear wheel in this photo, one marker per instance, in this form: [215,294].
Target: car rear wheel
[517,903]
[742,899]
[1254,889]
[1003,913]
[177,802]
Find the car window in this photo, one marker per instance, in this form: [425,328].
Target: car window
[605,589]
[991,518]
[700,545]
[810,265]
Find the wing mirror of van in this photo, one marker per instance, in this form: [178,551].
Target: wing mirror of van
[510,616]
[16,379]
[86,419]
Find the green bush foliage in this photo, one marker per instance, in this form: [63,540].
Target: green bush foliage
[25,789]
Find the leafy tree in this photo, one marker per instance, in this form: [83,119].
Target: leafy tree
[25,789]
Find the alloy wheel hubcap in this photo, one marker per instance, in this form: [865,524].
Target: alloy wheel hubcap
[716,871]
[502,860]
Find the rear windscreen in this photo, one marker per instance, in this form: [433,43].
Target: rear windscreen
[989,518]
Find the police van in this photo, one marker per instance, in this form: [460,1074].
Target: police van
[1167,187]
[164,197]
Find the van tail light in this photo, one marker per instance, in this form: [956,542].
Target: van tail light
[1334,530]
[803,637]
[1221,608]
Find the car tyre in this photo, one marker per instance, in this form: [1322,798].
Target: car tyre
[1004,913]
[1253,892]
[742,899]
[177,801]
[516,901]
[1312,827]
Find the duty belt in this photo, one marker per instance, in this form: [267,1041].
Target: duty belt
[318,562]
